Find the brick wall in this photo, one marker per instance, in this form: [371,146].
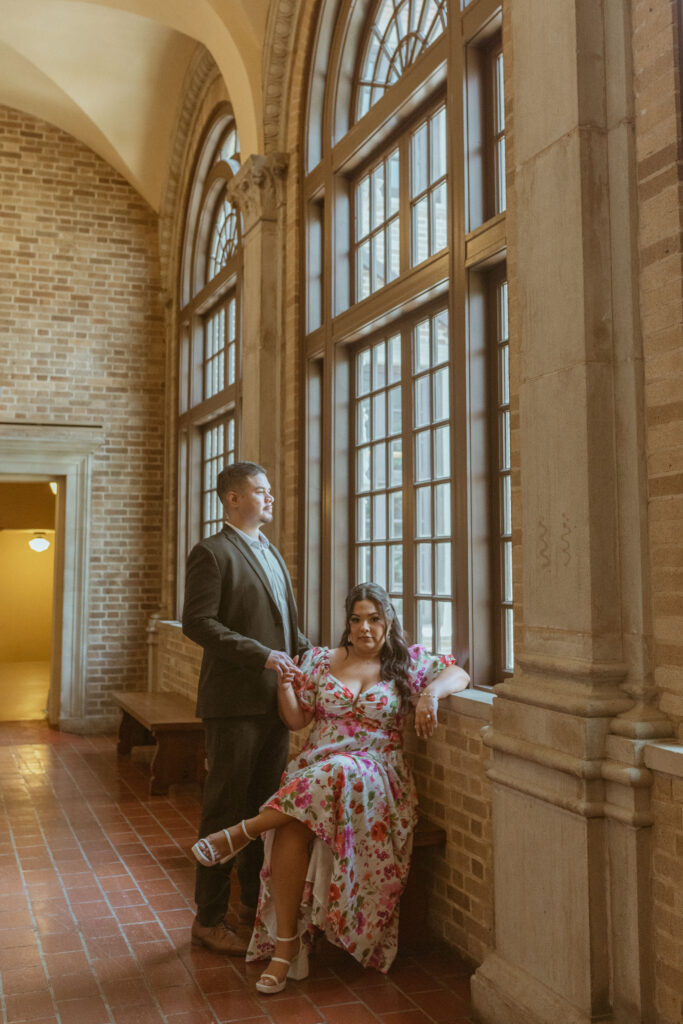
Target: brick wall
[667,872]
[450,773]
[178,660]
[658,151]
[81,343]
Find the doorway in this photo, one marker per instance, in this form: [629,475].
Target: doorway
[27,555]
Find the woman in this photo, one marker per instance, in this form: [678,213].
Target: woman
[338,832]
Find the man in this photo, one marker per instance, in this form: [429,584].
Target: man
[239,606]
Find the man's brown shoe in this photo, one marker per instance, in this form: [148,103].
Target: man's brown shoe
[220,938]
[245,914]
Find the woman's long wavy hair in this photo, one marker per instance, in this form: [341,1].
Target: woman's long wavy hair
[394,657]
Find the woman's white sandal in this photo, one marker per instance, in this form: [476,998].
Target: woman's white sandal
[207,854]
[297,968]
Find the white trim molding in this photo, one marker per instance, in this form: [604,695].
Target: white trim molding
[45,452]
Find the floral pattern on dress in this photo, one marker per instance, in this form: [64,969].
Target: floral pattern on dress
[352,787]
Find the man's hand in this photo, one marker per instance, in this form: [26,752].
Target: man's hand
[282,663]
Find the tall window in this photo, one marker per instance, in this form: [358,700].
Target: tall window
[408,428]
[208,342]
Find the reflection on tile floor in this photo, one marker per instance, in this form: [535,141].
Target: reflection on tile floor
[96,906]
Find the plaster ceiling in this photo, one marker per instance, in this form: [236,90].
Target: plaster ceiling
[110,72]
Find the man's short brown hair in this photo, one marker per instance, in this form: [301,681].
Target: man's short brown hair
[234,476]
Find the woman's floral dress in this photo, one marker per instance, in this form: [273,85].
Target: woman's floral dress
[352,787]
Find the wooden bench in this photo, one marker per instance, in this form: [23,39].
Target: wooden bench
[413,920]
[167,720]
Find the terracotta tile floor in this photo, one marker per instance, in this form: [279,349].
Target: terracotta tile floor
[96,905]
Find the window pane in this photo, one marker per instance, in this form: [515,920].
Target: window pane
[441,398]
[401,31]
[422,412]
[379,466]
[363,470]
[505,440]
[378,270]
[379,565]
[421,230]
[363,421]
[442,452]
[419,165]
[507,571]
[363,208]
[440,334]
[379,366]
[395,515]
[363,565]
[423,468]
[442,562]
[363,258]
[363,518]
[422,346]
[363,372]
[394,359]
[424,511]
[424,568]
[439,210]
[393,188]
[394,250]
[444,628]
[438,145]
[442,510]
[395,568]
[506,505]
[509,641]
[395,411]
[379,415]
[424,624]
[378,212]
[379,517]
[395,463]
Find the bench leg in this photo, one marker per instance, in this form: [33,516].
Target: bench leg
[132,734]
[178,758]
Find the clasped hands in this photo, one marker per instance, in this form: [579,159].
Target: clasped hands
[287,668]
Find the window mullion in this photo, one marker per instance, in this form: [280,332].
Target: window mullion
[409,616]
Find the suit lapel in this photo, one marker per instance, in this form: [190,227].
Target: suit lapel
[234,538]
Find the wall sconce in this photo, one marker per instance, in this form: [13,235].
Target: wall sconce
[53,486]
[39,542]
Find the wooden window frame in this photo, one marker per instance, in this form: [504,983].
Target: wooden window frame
[200,297]
[335,150]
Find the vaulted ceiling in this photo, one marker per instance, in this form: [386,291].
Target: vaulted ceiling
[110,72]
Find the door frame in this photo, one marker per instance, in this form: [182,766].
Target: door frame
[43,452]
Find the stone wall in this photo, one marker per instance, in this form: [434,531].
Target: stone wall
[178,660]
[658,144]
[81,342]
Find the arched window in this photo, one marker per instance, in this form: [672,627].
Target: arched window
[208,324]
[405,338]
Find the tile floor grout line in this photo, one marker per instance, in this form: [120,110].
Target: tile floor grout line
[127,870]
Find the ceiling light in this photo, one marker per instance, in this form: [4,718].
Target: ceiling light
[39,542]
[53,486]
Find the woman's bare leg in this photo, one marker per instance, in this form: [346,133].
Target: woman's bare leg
[263,821]
[288,866]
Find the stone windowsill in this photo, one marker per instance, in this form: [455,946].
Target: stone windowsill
[665,757]
[472,704]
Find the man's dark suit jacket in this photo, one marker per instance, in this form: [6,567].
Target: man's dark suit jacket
[230,611]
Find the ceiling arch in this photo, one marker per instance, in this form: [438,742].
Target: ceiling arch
[111,72]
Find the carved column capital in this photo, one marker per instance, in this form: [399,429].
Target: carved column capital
[258,188]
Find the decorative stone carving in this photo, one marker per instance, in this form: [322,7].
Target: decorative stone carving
[279,46]
[200,74]
[258,188]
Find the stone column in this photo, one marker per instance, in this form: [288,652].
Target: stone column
[258,191]
[570,793]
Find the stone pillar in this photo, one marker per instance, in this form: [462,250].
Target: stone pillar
[258,191]
[571,816]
